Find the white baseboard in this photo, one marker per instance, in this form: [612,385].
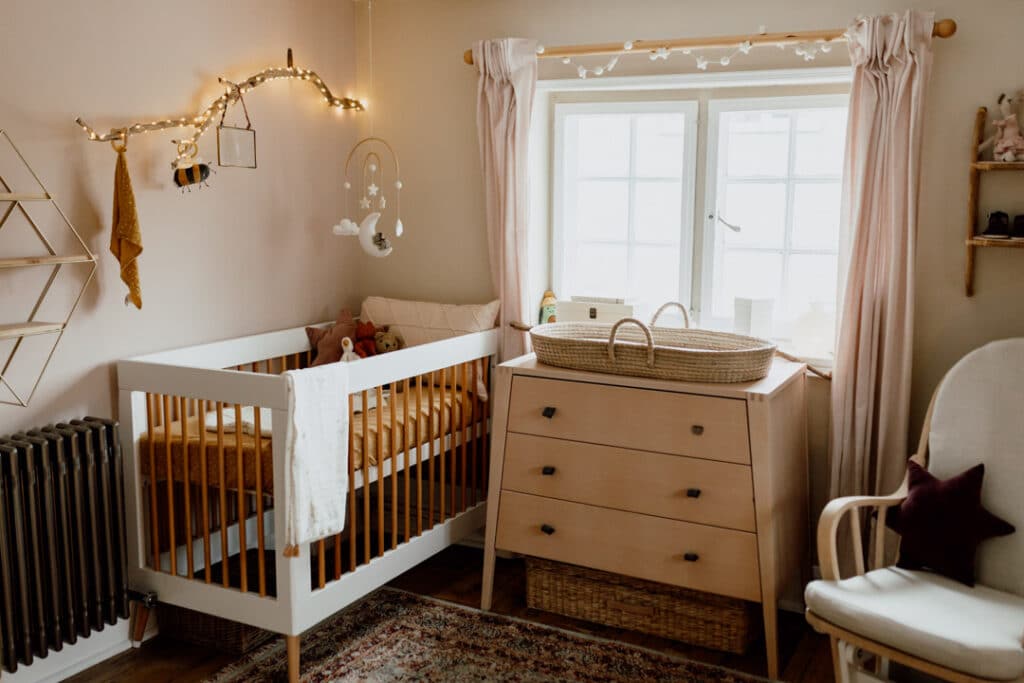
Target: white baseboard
[73,659]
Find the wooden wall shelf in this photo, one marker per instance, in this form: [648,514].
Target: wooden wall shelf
[11,201]
[975,240]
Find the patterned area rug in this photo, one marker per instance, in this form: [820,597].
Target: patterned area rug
[396,636]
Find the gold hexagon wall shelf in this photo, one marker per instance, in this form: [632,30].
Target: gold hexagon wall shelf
[12,203]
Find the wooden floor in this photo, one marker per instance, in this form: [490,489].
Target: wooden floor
[454,575]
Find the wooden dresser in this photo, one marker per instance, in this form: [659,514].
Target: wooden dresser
[697,485]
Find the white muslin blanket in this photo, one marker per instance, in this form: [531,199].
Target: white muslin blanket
[316,454]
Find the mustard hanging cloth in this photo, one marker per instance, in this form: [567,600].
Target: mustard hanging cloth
[125,236]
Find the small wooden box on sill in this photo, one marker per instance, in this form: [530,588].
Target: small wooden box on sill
[702,486]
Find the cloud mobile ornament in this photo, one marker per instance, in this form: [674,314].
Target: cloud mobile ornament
[372,186]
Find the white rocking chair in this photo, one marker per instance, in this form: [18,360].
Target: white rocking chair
[920,619]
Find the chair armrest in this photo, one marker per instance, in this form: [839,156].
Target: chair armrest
[828,527]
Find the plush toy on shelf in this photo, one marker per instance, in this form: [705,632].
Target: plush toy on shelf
[1007,142]
[386,340]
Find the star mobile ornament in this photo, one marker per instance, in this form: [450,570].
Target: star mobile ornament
[370,156]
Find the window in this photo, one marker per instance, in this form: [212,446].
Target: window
[771,233]
[623,202]
[624,208]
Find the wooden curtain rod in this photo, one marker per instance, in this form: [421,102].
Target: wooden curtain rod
[944,28]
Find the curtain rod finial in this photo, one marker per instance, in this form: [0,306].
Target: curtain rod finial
[290,62]
[944,28]
[467,57]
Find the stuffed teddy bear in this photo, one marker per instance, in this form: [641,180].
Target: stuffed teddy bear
[1007,142]
[386,340]
[365,342]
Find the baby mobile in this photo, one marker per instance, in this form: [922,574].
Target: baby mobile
[372,183]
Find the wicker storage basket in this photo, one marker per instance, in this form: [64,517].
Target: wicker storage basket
[656,352]
[204,629]
[712,621]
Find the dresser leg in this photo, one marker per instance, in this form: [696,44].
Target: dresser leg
[771,637]
[292,646]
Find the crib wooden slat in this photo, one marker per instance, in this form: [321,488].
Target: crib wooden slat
[474,418]
[393,412]
[170,483]
[380,469]
[463,451]
[410,449]
[221,483]
[204,490]
[261,563]
[430,452]
[442,475]
[240,464]
[366,477]
[321,556]
[453,461]
[154,519]
[351,484]
[187,493]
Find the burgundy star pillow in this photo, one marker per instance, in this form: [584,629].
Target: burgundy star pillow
[326,341]
[943,522]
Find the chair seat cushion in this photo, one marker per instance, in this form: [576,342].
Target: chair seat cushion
[977,631]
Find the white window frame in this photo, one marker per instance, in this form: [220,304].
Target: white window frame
[712,176]
[690,109]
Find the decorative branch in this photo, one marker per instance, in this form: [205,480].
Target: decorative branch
[201,122]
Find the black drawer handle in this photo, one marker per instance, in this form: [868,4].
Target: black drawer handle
[693,493]
[547,528]
[548,412]
[691,557]
[547,470]
[697,430]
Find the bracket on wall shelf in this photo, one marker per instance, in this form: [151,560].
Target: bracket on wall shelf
[202,121]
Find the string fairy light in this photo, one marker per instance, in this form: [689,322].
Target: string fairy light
[808,51]
[202,121]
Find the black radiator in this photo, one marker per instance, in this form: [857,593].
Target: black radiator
[62,537]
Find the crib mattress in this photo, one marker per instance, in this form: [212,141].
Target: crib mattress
[363,443]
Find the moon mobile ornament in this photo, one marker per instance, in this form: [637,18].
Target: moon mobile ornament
[372,187]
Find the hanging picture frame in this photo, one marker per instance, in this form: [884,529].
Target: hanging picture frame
[236,146]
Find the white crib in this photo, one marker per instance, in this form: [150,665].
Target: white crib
[201,514]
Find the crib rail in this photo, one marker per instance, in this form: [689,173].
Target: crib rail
[204,490]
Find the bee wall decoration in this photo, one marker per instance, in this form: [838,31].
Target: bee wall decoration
[189,168]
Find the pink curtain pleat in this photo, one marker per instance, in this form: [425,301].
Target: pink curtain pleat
[892,58]
[508,79]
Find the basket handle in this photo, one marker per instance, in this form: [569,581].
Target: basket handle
[686,316]
[647,333]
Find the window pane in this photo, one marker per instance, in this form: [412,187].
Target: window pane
[657,211]
[756,143]
[759,209]
[816,215]
[603,145]
[820,141]
[811,303]
[602,210]
[755,275]
[598,270]
[659,145]
[654,278]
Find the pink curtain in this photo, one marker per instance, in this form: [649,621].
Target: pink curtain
[892,59]
[508,78]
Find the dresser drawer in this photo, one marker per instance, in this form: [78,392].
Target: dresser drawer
[691,555]
[690,489]
[681,424]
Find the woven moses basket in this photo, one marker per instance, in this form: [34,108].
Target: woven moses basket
[688,355]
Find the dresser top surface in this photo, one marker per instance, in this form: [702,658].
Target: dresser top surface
[781,373]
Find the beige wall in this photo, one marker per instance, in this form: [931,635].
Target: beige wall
[425,103]
[251,253]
